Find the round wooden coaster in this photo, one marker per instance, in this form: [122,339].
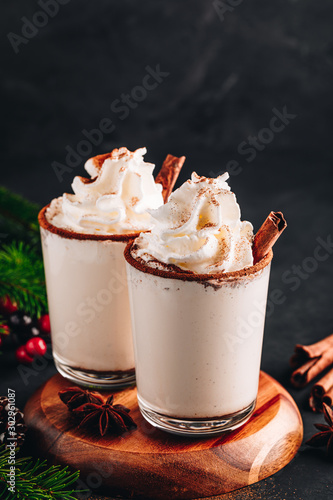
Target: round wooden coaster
[153,464]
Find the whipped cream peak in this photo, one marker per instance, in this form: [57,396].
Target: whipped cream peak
[94,164]
[116,199]
[199,229]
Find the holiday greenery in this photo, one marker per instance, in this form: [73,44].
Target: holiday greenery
[18,218]
[22,283]
[35,480]
[22,278]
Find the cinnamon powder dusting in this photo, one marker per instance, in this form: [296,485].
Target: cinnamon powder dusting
[70,234]
[116,154]
[86,180]
[162,270]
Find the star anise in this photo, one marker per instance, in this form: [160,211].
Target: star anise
[107,416]
[325,436]
[74,397]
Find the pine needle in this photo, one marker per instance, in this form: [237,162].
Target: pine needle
[22,278]
[18,218]
[35,480]
[18,209]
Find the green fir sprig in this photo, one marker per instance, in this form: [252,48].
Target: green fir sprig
[18,218]
[22,278]
[35,480]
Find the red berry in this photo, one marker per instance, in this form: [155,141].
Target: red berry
[35,347]
[7,306]
[22,356]
[44,323]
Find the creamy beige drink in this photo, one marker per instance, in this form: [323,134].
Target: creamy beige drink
[198,309]
[84,236]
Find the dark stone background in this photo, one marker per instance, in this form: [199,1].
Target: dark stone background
[225,77]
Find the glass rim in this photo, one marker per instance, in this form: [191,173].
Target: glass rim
[247,272]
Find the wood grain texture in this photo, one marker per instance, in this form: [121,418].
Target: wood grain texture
[150,463]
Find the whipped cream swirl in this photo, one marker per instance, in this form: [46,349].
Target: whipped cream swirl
[115,200]
[198,230]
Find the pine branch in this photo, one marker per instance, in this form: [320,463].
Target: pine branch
[19,210]
[12,231]
[36,481]
[22,278]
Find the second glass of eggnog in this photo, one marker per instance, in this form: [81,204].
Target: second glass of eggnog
[198,311]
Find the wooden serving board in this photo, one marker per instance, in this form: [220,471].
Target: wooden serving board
[150,463]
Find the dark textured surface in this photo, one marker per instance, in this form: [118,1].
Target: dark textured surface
[225,78]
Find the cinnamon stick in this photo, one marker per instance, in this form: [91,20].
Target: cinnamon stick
[328,397]
[268,234]
[305,373]
[315,404]
[322,392]
[168,174]
[310,360]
